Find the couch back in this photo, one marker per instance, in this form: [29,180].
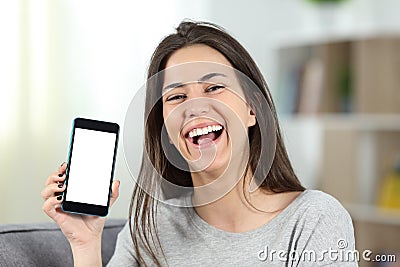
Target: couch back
[43,244]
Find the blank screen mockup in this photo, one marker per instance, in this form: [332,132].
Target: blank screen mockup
[90,167]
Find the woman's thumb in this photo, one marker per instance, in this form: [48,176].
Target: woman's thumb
[115,191]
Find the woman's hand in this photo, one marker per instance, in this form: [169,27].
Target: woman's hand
[80,230]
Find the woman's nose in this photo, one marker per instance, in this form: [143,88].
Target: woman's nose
[197,107]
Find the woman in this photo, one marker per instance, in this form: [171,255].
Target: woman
[245,205]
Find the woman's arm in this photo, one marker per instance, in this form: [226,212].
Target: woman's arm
[87,254]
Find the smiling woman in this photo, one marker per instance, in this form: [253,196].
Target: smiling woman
[212,141]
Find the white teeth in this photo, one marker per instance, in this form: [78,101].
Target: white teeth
[205,130]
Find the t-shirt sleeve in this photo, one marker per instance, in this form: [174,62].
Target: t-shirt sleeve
[124,254]
[331,239]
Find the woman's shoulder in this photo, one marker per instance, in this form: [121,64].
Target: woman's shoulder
[312,196]
[319,200]
[321,206]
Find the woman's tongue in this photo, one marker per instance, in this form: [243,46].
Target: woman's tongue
[206,138]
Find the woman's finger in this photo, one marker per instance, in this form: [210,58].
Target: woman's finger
[50,206]
[52,189]
[55,178]
[62,168]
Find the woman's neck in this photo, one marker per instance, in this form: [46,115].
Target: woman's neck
[232,212]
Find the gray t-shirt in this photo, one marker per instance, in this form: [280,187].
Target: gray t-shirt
[313,230]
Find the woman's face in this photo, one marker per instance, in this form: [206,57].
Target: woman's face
[204,111]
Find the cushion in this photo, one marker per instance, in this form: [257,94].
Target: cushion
[43,244]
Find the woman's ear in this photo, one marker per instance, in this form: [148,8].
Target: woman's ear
[252,118]
[258,99]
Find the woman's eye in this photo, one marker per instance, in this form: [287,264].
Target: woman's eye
[214,88]
[175,98]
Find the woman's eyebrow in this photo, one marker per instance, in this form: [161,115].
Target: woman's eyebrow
[172,85]
[210,75]
[202,79]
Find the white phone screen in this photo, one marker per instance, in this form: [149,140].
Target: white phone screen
[91,166]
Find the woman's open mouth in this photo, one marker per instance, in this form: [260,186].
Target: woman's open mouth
[206,134]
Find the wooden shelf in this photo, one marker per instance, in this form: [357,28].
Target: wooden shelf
[342,127]
[360,122]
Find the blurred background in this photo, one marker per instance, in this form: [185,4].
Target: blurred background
[333,68]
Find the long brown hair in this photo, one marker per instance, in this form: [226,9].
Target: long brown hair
[143,208]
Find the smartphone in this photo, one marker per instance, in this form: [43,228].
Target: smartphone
[90,167]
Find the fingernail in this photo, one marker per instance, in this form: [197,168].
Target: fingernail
[60,185]
[60,175]
[62,163]
[59,197]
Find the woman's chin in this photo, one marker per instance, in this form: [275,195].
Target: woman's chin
[211,166]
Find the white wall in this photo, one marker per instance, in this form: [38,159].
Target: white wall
[64,59]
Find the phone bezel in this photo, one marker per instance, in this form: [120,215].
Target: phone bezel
[86,208]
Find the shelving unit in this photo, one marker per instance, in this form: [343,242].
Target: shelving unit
[373,214]
[344,93]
